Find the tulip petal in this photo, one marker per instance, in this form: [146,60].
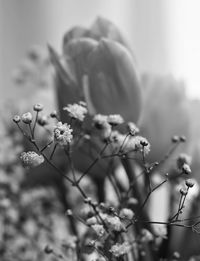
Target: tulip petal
[103,28]
[114,84]
[77,52]
[76,32]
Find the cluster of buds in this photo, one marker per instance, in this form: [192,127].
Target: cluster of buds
[27,117]
[118,250]
[176,139]
[31,159]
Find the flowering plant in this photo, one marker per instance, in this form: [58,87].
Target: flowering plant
[107,176]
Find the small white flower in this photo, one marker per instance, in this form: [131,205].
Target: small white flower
[31,159]
[62,133]
[115,119]
[120,249]
[76,111]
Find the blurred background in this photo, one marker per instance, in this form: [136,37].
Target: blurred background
[164,35]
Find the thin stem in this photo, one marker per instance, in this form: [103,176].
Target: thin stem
[93,163]
[53,151]
[31,132]
[121,147]
[46,146]
[169,153]
[36,119]
[68,154]
[23,132]
[149,194]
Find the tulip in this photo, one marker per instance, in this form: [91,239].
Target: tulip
[96,67]
[165,114]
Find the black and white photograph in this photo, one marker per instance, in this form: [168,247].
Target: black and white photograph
[99,130]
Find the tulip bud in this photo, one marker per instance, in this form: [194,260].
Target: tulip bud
[115,88]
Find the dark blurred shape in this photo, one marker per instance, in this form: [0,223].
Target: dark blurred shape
[165,114]
[99,70]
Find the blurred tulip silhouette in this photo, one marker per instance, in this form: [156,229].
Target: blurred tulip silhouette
[165,114]
[96,67]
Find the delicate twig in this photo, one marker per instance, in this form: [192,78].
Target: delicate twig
[46,146]
[34,125]
[149,194]
[53,151]
[93,163]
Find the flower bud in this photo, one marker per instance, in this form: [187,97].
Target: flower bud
[42,120]
[16,118]
[132,128]
[189,183]
[183,139]
[175,139]
[48,250]
[53,114]
[183,191]
[27,117]
[38,107]
[31,159]
[186,169]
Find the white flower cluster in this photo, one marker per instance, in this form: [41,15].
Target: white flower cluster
[120,249]
[99,229]
[113,223]
[62,133]
[76,111]
[31,159]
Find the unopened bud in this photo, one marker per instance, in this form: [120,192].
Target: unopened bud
[38,107]
[183,191]
[175,139]
[27,117]
[189,183]
[48,250]
[182,138]
[53,114]
[16,118]
[186,169]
